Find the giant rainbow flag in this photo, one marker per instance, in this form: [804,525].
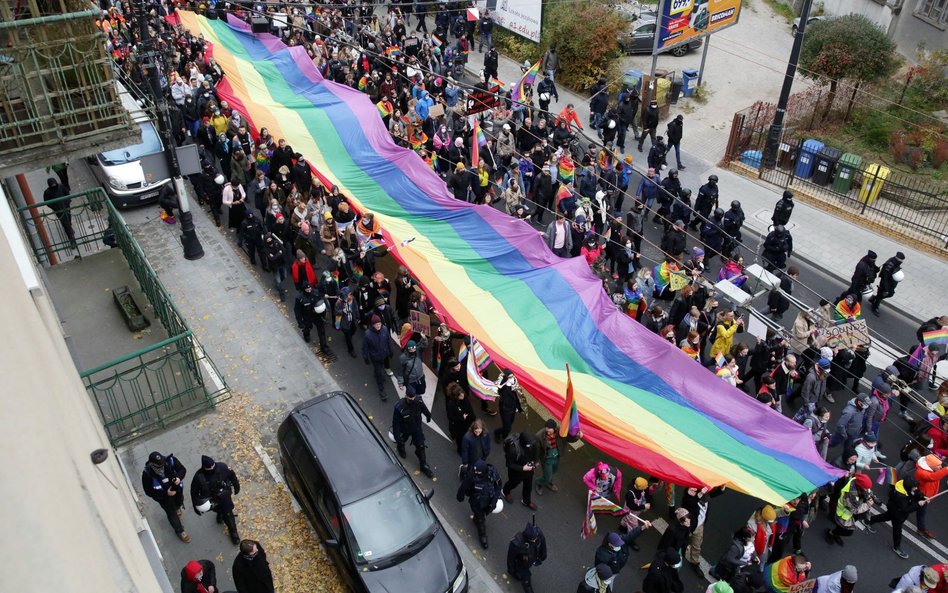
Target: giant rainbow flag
[644,402]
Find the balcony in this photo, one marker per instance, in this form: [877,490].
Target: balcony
[58,101]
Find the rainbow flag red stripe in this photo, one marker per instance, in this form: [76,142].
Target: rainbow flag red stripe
[569,424]
[529,77]
[936,336]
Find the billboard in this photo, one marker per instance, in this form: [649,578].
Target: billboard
[520,16]
[685,20]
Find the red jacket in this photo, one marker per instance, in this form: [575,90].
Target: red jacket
[929,481]
[569,116]
[939,438]
[310,274]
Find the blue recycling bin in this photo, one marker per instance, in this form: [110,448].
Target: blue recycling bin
[690,78]
[752,158]
[807,158]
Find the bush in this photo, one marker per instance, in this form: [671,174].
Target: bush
[587,46]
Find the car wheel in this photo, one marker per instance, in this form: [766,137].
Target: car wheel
[793,30]
[679,51]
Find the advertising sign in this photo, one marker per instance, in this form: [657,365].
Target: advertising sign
[686,20]
[520,16]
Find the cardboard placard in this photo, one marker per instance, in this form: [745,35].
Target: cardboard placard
[677,281]
[803,586]
[420,322]
[849,335]
[436,110]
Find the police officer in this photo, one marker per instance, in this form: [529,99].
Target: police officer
[481,486]
[706,201]
[731,224]
[778,246]
[783,209]
[251,234]
[527,549]
[163,481]
[711,235]
[406,423]
[310,310]
[215,483]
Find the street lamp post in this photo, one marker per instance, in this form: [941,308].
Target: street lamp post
[769,159]
[151,65]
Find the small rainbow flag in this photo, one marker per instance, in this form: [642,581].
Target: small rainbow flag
[372,244]
[480,386]
[589,523]
[481,357]
[529,77]
[887,475]
[719,360]
[481,138]
[393,51]
[436,41]
[569,425]
[566,169]
[936,336]
[462,352]
[562,193]
[385,109]
[601,504]
[497,83]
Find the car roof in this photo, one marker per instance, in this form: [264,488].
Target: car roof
[354,458]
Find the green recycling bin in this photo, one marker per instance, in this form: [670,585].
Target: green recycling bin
[848,166]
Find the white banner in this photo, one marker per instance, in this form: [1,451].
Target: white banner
[520,16]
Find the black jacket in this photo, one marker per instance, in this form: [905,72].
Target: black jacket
[522,554]
[156,487]
[406,421]
[886,283]
[460,415]
[650,118]
[782,211]
[252,575]
[693,504]
[218,485]
[707,198]
[864,275]
[675,131]
[673,242]
[662,578]
[208,579]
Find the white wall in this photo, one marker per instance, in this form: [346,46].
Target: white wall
[69,525]
[879,14]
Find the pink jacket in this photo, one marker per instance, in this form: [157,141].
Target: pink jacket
[590,480]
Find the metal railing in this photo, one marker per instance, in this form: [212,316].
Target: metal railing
[871,194]
[144,390]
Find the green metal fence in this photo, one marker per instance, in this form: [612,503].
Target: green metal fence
[144,390]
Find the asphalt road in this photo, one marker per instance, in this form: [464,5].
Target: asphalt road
[560,514]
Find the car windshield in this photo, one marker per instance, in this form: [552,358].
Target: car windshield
[150,144]
[388,521]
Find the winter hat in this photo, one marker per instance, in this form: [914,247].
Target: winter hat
[671,557]
[721,587]
[380,302]
[156,458]
[411,344]
[530,531]
[825,364]
[787,195]
[679,222]
[900,256]
[929,577]
[207,462]
[191,569]
[870,438]
[871,254]
[410,390]
[768,513]
[681,513]
[376,319]
[459,166]
[827,353]
[849,574]
[863,481]
[614,539]
[551,423]
[933,462]
[640,483]
[480,466]
[696,250]
[603,571]
[628,159]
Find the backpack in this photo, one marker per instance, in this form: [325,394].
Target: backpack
[803,413]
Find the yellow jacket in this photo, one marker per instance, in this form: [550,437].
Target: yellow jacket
[724,339]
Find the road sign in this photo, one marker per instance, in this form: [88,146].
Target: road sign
[480,100]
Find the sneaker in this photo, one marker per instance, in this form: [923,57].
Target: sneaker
[926,533]
[183,536]
[553,487]
[530,505]
[905,415]
[389,373]
[830,398]
[900,553]
[870,528]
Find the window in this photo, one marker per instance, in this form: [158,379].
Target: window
[150,144]
[935,11]
[388,521]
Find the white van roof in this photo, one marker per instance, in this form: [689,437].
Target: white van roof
[131,104]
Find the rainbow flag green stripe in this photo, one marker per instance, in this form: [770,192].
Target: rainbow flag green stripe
[643,401]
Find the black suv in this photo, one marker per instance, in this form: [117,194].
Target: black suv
[376,523]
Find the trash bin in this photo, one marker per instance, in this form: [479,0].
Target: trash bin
[872,181]
[752,158]
[807,158]
[689,77]
[848,165]
[662,86]
[786,156]
[633,79]
[674,91]
[826,161]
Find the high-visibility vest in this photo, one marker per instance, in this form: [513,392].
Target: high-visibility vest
[842,511]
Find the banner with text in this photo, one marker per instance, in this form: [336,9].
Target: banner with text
[686,20]
[520,16]
[849,335]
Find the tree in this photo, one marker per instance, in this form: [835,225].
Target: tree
[847,47]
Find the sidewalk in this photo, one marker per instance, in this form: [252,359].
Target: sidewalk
[828,242]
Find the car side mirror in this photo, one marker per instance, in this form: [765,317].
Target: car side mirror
[429,494]
[332,543]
